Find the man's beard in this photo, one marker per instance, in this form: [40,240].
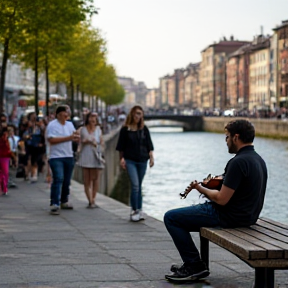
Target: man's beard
[232,149]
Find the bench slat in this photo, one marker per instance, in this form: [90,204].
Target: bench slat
[276,243]
[268,263]
[270,233]
[270,226]
[255,238]
[234,244]
[275,223]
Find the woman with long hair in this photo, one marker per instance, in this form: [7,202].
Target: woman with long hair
[90,156]
[135,149]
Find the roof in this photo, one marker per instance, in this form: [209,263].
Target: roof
[223,44]
[284,24]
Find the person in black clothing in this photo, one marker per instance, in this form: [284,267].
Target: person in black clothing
[135,149]
[237,204]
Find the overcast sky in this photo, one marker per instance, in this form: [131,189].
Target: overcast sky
[148,39]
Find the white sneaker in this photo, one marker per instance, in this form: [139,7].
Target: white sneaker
[54,210]
[34,179]
[142,215]
[135,216]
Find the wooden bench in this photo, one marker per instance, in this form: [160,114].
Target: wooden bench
[263,246]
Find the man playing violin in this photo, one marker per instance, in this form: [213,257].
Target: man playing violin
[237,204]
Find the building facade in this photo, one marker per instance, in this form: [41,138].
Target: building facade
[192,88]
[259,73]
[282,63]
[213,72]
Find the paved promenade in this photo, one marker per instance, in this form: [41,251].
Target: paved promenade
[95,247]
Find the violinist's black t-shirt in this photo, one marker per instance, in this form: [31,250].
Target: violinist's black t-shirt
[135,145]
[246,173]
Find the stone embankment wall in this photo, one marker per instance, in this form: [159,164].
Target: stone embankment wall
[111,171]
[270,128]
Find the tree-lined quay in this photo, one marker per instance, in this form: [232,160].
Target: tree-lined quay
[62,46]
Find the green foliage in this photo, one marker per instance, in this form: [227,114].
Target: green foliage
[60,31]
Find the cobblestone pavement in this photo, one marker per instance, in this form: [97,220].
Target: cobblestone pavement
[98,247]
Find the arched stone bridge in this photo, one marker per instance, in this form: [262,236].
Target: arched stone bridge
[188,122]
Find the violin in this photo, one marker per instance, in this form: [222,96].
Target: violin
[211,182]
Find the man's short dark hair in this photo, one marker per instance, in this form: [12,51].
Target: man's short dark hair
[61,108]
[244,128]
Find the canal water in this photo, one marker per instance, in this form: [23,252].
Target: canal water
[183,157]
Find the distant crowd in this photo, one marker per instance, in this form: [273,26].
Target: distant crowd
[26,150]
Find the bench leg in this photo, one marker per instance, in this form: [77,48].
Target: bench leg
[264,278]
[204,250]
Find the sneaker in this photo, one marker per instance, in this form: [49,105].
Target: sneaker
[11,184]
[188,272]
[4,193]
[33,179]
[174,267]
[66,206]
[135,216]
[54,210]
[142,215]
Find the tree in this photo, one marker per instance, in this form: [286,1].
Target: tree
[11,13]
[47,33]
[38,28]
[80,65]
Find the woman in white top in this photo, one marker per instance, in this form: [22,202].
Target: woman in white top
[90,156]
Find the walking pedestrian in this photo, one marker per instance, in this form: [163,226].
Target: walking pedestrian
[34,143]
[236,203]
[90,156]
[5,156]
[60,134]
[135,149]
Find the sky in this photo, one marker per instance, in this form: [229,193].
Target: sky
[148,39]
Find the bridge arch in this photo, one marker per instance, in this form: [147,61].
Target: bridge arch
[188,122]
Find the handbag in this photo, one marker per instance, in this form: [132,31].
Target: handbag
[98,154]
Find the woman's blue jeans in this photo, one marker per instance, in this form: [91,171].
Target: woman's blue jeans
[180,222]
[136,172]
[62,169]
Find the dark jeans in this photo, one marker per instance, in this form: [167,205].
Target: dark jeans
[62,169]
[180,222]
[136,172]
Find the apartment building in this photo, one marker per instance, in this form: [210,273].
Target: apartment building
[192,88]
[273,77]
[163,90]
[259,72]
[282,63]
[135,92]
[237,78]
[213,70]
[153,98]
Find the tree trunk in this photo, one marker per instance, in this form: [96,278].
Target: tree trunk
[96,106]
[77,97]
[47,85]
[36,78]
[3,73]
[82,99]
[72,96]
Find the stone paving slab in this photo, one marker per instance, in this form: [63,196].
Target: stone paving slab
[87,248]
